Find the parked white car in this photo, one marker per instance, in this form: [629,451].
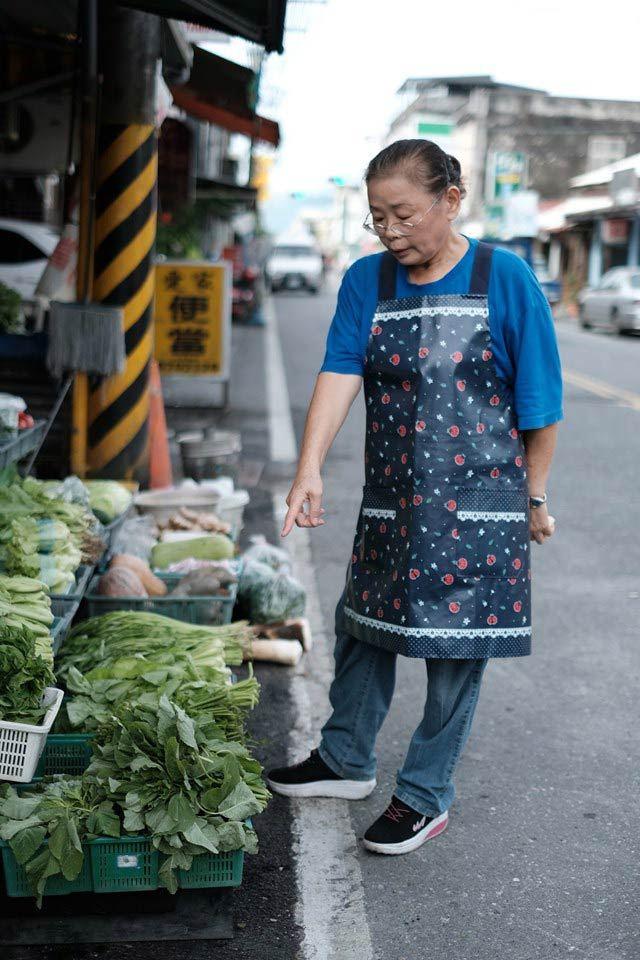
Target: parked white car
[25,249]
[614,303]
[294,266]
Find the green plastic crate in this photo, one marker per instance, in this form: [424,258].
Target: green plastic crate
[213,870]
[17,883]
[63,614]
[68,753]
[124,865]
[56,630]
[213,610]
[119,866]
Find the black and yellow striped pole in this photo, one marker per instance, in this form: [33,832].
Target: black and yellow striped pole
[125,229]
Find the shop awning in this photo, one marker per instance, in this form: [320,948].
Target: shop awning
[224,93]
[229,192]
[259,20]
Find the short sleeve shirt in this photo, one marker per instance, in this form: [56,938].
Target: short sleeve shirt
[521,326]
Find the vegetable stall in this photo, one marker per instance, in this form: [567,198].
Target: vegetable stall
[125,762]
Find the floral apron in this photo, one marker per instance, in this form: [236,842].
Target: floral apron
[440,564]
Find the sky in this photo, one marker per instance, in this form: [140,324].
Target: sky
[333,91]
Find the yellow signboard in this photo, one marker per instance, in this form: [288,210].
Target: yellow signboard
[193,317]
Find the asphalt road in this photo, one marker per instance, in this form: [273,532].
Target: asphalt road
[541,857]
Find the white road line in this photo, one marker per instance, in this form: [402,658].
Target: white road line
[331,906]
[601,388]
[282,438]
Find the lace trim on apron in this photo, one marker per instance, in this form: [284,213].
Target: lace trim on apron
[378,512]
[456,311]
[491,515]
[492,633]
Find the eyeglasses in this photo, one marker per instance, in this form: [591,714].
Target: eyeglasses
[402,228]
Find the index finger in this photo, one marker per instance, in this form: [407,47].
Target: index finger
[293,511]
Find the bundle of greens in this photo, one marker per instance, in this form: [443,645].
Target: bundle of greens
[174,779]
[108,499]
[133,642]
[43,549]
[42,535]
[93,701]
[25,603]
[25,671]
[28,498]
[46,828]
[155,771]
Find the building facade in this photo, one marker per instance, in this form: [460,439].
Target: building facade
[510,138]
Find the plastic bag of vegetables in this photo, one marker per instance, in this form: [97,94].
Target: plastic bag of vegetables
[267,596]
[261,551]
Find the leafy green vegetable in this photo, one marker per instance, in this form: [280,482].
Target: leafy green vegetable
[28,498]
[11,320]
[108,499]
[42,535]
[170,775]
[156,771]
[47,827]
[127,644]
[25,603]
[24,674]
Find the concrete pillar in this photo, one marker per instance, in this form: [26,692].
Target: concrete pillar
[125,230]
[554,265]
[595,255]
[633,254]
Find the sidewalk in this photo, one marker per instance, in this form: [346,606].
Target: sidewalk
[265,905]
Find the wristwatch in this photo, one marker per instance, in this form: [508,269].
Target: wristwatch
[535,502]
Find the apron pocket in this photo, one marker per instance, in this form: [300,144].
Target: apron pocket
[493,532]
[378,529]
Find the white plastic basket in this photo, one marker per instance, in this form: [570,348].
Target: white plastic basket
[21,744]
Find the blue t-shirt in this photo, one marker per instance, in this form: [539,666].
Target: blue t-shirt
[523,338]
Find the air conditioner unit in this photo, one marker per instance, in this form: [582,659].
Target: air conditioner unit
[34,134]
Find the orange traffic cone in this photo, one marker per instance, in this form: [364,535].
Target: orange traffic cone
[160,473]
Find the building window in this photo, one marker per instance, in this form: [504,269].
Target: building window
[604,150]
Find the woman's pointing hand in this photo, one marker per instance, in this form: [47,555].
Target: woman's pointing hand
[306,490]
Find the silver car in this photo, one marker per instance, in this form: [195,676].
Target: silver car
[614,303]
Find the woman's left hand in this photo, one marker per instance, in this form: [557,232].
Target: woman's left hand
[541,525]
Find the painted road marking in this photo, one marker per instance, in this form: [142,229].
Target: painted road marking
[602,389]
[282,439]
[331,904]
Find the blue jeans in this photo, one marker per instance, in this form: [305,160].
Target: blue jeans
[361,695]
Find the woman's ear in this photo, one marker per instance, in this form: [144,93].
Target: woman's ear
[453,200]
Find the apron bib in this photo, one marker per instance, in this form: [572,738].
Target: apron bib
[440,564]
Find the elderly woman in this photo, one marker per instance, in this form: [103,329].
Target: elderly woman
[455,344]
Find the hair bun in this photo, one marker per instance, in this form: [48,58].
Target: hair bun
[453,163]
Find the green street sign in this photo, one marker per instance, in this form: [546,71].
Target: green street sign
[506,174]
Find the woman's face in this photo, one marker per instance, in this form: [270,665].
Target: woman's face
[396,198]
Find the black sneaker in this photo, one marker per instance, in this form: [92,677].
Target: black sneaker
[313,778]
[401,829]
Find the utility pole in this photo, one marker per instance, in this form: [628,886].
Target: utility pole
[125,230]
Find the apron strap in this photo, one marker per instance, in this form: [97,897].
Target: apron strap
[387,277]
[481,269]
